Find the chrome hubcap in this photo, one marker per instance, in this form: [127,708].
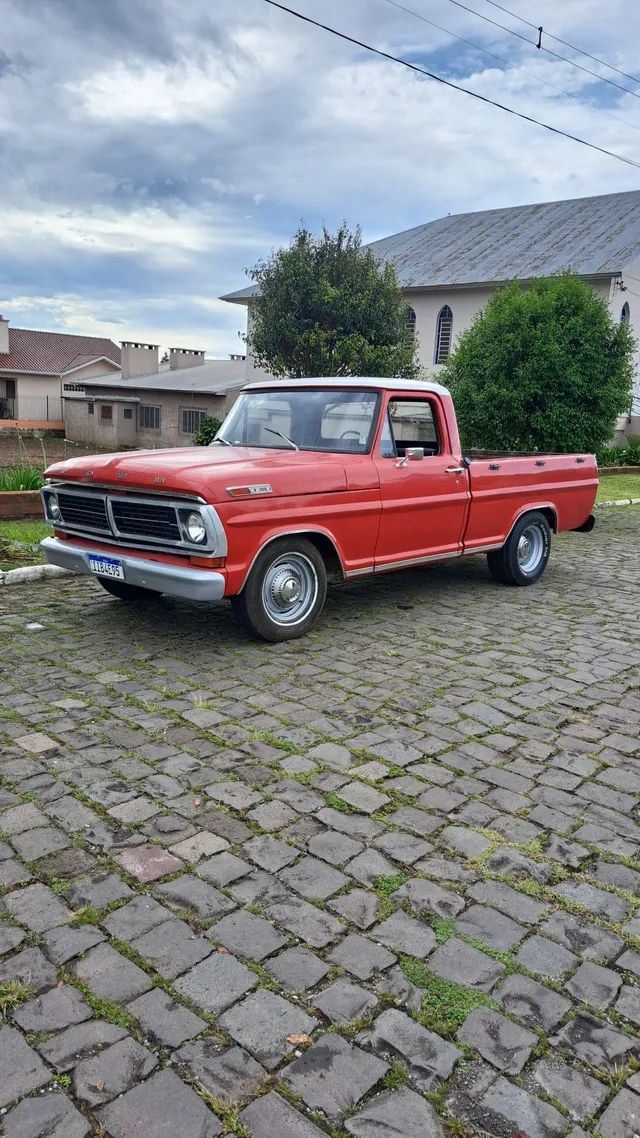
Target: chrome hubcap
[289,589]
[530,549]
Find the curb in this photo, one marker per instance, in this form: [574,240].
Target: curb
[32,573]
[619,502]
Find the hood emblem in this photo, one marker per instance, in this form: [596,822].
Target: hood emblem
[89,474]
[122,474]
[159,480]
[249,491]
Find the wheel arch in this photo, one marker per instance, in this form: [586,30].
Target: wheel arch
[325,544]
[546,508]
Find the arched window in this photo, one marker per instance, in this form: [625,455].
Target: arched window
[625,314]
[411,320]
[444,330]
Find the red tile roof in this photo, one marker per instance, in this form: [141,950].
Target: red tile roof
[53,353]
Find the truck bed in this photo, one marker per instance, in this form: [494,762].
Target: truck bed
[501,485]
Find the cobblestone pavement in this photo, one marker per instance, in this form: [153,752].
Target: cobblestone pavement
[379,882]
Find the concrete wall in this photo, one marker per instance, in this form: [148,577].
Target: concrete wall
[83,427]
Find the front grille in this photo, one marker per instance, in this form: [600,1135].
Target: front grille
[127,518]
[145,519]
[84,512]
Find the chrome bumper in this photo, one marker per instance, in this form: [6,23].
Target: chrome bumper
[177,580]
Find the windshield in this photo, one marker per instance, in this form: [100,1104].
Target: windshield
[303,419]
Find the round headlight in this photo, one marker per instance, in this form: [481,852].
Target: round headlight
[195,527]
[53,506]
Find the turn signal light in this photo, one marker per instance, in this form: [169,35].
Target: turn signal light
[208,562]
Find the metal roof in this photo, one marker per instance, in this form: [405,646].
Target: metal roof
[590,236]
[209,378]
[356,383]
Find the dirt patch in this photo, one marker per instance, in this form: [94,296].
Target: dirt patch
[25,450]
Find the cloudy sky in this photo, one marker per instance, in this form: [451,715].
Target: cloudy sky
[152,150]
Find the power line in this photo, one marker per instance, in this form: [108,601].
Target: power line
[572,62]
[449,83]
[572,46]
[510,65]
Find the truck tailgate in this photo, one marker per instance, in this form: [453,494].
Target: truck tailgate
[502,488]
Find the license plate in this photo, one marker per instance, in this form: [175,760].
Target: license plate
[106,566]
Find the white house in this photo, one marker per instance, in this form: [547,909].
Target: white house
[36,368]
[449,268]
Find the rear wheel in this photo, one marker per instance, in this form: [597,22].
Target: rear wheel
[285,591]
[523,557]
[125,592]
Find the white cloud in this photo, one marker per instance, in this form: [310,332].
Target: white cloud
[156,93]
[159,237]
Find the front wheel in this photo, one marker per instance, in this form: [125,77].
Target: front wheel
[125,592]
[523,557]
[285,591]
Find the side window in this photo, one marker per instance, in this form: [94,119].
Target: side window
[412,424]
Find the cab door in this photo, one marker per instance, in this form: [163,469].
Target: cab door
[425,499]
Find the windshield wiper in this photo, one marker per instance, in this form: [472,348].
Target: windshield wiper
[281,436]
[219,439]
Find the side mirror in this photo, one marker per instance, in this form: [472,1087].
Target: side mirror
[414,454]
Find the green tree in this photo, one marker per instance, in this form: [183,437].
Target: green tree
[546,368]
[326,307]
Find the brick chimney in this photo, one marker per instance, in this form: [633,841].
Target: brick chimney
[184,357]
[138,359]
[4,336]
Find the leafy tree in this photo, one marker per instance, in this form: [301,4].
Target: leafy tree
[326,307]
[546,368]
[207,431]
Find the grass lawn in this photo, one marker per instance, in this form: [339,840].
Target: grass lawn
[18,543]
[615,486]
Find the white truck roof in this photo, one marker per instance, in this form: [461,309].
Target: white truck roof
[355,381]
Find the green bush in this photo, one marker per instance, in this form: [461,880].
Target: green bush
[21,478]
[628,455]
[207,431]
[545,368]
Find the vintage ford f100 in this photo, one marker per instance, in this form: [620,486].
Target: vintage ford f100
[310,479]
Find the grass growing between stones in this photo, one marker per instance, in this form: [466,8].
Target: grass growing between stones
[388,883]
[445,1005]
[397,1076]
[12,994]
[444,929]
[336,803]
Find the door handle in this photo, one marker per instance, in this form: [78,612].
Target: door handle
[454,469]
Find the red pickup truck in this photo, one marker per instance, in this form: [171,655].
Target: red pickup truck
[310,479]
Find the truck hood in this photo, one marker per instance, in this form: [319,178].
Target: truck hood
[207,471]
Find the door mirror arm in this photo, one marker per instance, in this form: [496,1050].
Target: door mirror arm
[411,454]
